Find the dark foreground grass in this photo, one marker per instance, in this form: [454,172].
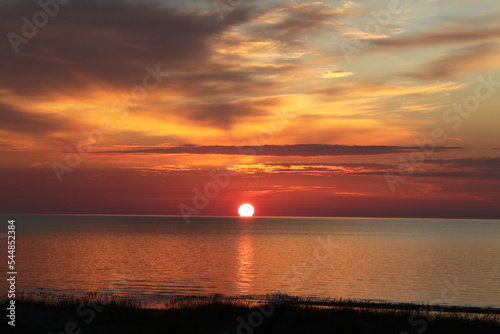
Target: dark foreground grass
[94,313]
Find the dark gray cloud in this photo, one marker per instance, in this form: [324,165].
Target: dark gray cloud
[368,165]
[106,44]
[457,62]
[488,163]
[303,150]
[458,175]
[33,124]
[217,114]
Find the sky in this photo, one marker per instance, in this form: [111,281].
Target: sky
[302,108]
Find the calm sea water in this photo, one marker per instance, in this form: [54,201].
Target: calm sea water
[154,258]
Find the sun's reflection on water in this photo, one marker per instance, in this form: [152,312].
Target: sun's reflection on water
[245,264]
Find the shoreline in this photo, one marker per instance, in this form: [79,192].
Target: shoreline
[55,299]
[98,312]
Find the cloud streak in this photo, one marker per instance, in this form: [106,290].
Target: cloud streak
[472,58]
[23,122]
[456,34]
[300,150]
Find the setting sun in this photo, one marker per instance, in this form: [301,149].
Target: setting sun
[246,210]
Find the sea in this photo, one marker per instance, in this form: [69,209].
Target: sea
[156,258]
